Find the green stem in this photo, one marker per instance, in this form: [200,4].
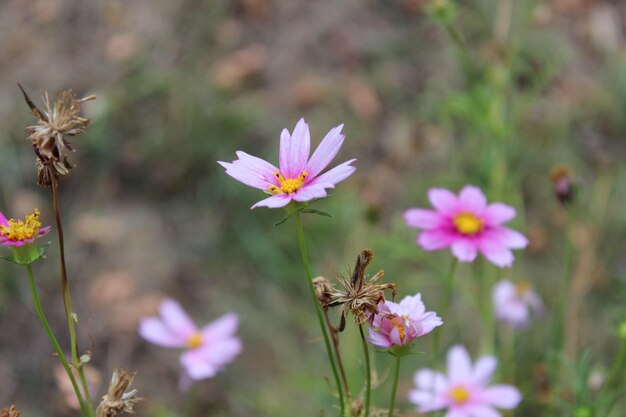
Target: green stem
[368,372]
[449,284]
[394,388]
[318,309]
[55,343]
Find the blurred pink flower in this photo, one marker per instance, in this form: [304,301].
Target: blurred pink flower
[207,350]
[464,391]
[20,232]
[512,303]
[298,178]
[398,324]
[467,224]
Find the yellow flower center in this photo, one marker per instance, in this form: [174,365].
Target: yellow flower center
[398,323]
[194,341]
[288,185]
[521,288]
[18,230]
[459,395]
[468,223]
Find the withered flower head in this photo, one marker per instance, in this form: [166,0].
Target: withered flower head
[10,412]
[117,400]
[563,184]
[49,136]
[323,290]
[358,295]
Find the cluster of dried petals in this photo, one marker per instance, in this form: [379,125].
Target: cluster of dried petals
[49,136]
[10,412]
[118,400]
[358,295]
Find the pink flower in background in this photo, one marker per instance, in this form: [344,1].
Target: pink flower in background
[467,224]
[513,302]
[20,232]
[207,350]
[398,324]
[299,177]
[464,391]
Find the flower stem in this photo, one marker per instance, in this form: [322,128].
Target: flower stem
[318,309]
[55,343]
[449,284]
[65,289]
[394,388]
[368,372]
[342,371]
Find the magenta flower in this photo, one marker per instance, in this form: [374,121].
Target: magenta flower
[398,324]
[464,392]
[207,350]
[299,177]
[513,303]
[20,232]
[467,224]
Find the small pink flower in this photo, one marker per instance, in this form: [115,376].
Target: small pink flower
[467,224]
[464,391]
[207,350]
[20,232]
[513,302]
[398,324]
[299,177]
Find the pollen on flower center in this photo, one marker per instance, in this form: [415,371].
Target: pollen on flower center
[18,230]
[398,323]
[194,341]
[521,288]
[467,223]
[460,395]
[287,185]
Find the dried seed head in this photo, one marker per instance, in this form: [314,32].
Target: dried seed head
[117,400]
[10,412]
[49,136]
[322,290]
[358,295]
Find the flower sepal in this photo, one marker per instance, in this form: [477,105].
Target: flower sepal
[400,351]
[27,254]
[296,207]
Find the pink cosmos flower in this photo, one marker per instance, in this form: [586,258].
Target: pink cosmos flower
[467,224]
[398,324]
[513,302]
[207,350]
[20,232]
[299,177]
[464,392]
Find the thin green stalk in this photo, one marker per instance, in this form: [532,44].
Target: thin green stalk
[449,284]
[55,343]
[394,388]
[318,309]
[368,372]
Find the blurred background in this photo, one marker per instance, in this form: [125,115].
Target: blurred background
[494,93]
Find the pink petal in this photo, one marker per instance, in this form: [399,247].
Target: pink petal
[428,379]
[309,192]
[472,199]
[334,176]
[299,149]
[378,339]
[443,200]
[252,171]
[508,237]
[459,364]
[535,302]
[481,411]
[502,396]
[325,152]
[429,322]
[3,220]
[222,352]
[394,336]
[44,230]
[465,250]
[484,369]
[224,326]
[176,320]
[197,366]
[496,253]
[421,398]
[435,239]
[498,213]
[275,201]
[503,291]
[154,331]
[283,153]
[457,413]
[423,219]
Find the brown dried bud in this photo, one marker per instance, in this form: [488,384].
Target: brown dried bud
[563,184]
[10,412]
[117,400]
[322,290]
[55,125]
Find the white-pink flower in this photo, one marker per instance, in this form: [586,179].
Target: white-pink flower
[514,302]
[467,224]
[207,350]
[398,324]
[464,391]
[298,178]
